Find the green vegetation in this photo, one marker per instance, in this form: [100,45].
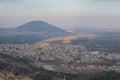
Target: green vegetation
[50,75]
[100,44]
[106,76]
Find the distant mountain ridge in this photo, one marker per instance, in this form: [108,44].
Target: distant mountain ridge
[31,32]
[88,29]
[39,26]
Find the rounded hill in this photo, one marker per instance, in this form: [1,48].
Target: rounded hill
[39,26]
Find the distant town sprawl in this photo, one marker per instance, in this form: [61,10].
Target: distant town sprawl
[64,57]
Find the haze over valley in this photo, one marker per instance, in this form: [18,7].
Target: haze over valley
[59,40]
[38,48]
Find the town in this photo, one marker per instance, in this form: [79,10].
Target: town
[68,58]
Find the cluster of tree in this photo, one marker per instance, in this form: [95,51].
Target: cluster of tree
[50,75]
[19,39]
[106,76]
[16,65]
[100,44]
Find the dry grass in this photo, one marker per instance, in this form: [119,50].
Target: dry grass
[67,39]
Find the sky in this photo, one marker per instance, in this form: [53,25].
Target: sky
[62,13]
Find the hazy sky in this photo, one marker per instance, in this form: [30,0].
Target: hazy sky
[62,13]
